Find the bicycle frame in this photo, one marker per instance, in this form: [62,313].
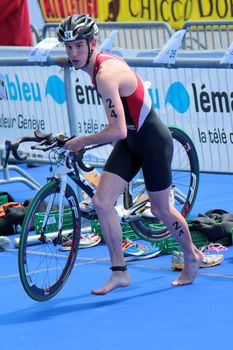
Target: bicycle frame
[61,174]
[52,223]
[132,205]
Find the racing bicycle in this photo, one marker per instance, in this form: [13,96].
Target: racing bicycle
[54,215]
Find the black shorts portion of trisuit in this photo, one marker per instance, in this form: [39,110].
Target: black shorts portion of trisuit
[149,149]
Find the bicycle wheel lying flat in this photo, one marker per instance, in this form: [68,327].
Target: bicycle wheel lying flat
[43,267]
[185,174]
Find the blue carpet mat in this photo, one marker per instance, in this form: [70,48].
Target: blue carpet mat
[149,314]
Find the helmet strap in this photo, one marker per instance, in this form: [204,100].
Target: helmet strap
[90,52]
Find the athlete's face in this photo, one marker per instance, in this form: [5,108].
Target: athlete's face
[77,52]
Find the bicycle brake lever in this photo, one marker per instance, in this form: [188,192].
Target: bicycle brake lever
[41,146]
[79,158]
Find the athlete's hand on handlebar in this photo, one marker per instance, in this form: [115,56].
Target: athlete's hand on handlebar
[74,145]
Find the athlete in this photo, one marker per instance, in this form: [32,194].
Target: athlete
[140,140]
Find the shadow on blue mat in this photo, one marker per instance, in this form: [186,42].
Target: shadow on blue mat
[43,311]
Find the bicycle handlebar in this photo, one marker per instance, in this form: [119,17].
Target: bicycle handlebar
[46,142]
[13,147]
[79,156]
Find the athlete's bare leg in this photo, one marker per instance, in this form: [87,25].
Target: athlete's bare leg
[177,225]
[109,189]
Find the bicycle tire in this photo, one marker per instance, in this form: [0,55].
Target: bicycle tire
[185,174]
[43,267]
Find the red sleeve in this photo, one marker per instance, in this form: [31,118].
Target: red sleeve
[15,29]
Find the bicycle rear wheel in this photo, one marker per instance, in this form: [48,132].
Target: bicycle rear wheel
[185,180]
[43,267]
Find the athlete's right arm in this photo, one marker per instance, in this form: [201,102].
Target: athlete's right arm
[108,87]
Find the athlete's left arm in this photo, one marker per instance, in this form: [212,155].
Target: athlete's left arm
[108,87]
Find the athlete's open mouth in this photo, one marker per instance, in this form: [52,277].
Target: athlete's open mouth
[75,62]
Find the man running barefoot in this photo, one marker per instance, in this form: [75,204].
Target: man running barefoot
[141,141]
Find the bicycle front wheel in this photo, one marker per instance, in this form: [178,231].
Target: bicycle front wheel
[185,180]
[43,264]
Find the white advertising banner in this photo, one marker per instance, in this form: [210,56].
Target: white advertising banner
[36,99]
[199,101]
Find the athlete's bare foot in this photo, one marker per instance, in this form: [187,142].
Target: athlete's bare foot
[190,271]
[117,280]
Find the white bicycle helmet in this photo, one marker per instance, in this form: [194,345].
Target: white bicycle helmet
[77,27]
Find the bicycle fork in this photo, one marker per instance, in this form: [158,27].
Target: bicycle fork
[48,219]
